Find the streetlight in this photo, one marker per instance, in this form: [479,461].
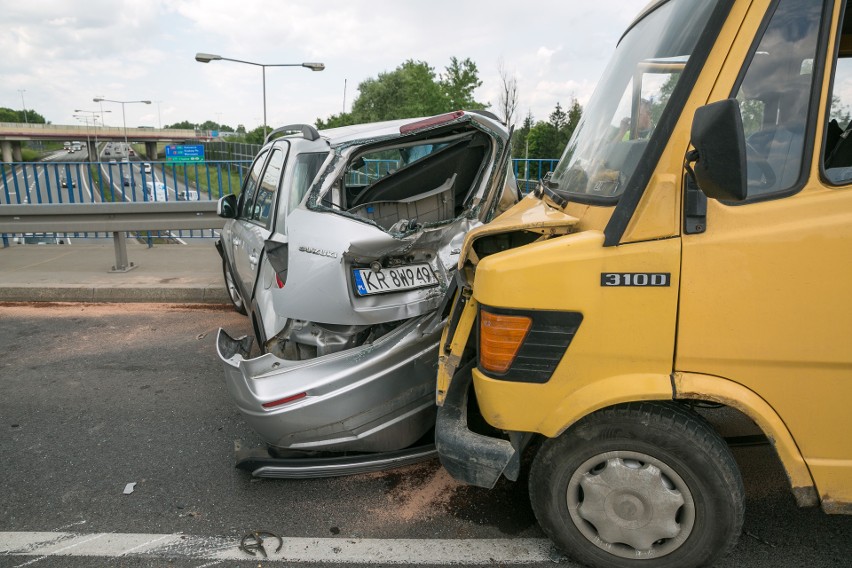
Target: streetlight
[84,118]
[94,114]
[208,57]
[123,119]
[23,104]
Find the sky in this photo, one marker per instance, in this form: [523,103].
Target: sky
[56,56]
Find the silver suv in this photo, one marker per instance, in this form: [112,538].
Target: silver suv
[340,247]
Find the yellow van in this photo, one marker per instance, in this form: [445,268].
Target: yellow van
[698,256]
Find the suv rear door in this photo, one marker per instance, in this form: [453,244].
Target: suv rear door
[257,216]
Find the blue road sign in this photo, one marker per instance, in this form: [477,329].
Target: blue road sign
[184,153]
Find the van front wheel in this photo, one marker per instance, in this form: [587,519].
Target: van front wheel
[648,484]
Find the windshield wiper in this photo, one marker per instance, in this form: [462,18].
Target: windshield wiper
[546,188]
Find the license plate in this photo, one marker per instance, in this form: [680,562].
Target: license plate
[396,279]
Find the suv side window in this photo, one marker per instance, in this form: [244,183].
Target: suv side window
[304,171]
[250,187]
[774,97]
[268,189]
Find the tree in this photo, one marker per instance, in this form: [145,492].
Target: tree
[255,136]
[185,125]
[11,115]
[508,98]
[520,137]
[458,82]
[411,90]
[558,118]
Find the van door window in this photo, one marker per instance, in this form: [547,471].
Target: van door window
[775,94]
[837,150]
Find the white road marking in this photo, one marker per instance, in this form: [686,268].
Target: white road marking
[347,551]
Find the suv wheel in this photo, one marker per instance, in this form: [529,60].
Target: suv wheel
[233,289]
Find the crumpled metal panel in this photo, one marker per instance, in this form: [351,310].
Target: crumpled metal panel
[376,397]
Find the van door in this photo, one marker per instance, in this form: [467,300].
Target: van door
[765,298]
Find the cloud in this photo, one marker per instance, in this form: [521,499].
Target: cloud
[64,53]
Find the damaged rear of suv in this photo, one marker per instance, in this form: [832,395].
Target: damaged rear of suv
[340,248]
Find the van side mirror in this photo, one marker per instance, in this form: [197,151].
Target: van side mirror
[720,151]
[227,206]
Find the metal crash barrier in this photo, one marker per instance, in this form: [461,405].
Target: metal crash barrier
[115,218]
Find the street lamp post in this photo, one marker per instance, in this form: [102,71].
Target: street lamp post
[23,104]
[123,119]
[94,114]
[208,57]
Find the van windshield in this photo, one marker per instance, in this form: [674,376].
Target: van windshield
[612,135]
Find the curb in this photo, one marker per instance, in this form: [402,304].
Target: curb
[115,295]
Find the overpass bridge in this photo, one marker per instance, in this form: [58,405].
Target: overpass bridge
[12,134]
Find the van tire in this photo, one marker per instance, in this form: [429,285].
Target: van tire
[660,483]
[232,288]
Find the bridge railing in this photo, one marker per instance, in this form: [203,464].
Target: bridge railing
[117,219]
[61,183]
[528,171]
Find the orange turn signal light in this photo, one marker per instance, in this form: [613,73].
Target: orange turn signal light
[500,338]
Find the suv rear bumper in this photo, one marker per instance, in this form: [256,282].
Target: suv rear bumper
[373,398]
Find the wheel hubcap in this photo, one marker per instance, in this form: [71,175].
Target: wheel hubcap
[631,504]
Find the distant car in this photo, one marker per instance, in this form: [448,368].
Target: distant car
[187,195]
[156,191]
[107,153]
[67,183]
[146,167]
[113,162]
[127,181]
[125,160]
[41,239]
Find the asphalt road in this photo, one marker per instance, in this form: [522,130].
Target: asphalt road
[98,396]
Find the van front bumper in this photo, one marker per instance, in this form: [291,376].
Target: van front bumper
[470,457]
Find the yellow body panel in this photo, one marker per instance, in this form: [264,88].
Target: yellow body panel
[691,386]
[765,303]
[626,339]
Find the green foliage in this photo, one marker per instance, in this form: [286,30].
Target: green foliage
[458,83]
[520,138]
[411,90]
[207,125]
[185,125]
[256,136]
[10,115]
[547,139]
